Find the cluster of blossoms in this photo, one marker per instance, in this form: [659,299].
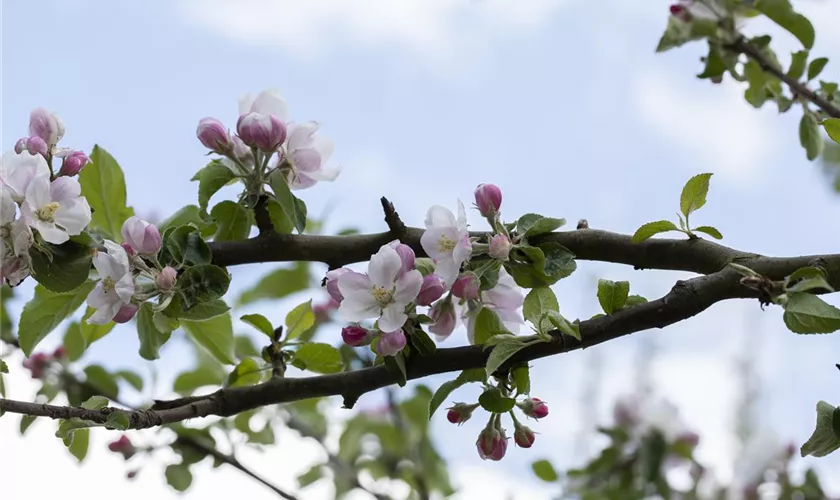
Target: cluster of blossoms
[39,363]
[37,204]
[129,274]
[263,129]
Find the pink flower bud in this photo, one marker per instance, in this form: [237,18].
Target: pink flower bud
[73,163]
[130,251]
[466,286]
[406,256]
[46,125]
[124,446]
[332,283]
[241,151]
[322,311]
[37,146]
[488,199]
[265,132]
[125,313]
[165,280]
[356,336]
[680,12]
[60,352]
[523,436]
[20,145]
[491,444]
[432,289]
[37,363]
[460,413]
[500,246]
[143,237]
[214,135]
[534,408]
[391,343]
[443,314]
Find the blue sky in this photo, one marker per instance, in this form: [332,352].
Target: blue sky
[563,104]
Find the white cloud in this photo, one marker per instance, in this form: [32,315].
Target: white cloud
[436,30]
[717,126]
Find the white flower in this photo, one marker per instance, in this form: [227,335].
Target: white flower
[7,208]
[268,102]
[15,240]
[504,299]
[307,155]
[116,286]
[18,170]
[762,451]
[55,209]
[379,292]
[447,241]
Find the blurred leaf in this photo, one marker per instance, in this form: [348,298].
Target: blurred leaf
[314,473]
[103,381]
[278,284]
[244,347]
[798,62]
[215,335]
[825,438]
[95,403]
[46,311]
[247,372]
[816,67]
[79,447]
[545,471]
[318,358]
[74,344]
[179,477]
[299,320]
[832,128]
[117,421]
[782,13]
[810,137]
[103,185]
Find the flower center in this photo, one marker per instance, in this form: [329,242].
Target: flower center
[446,244]
[382,295]
[109,284]
[47,212]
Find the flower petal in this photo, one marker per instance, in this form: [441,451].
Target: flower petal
[120,257]
[462,216]
[51,233]
[38,192]
[408,287]
[8,208]
[105,313]
[448,270]
[306,159]
[463,249]
[439,216]
[358,306]
[73,215]
[65,189]
[269,102]
[301,135]
[97,297]
[125,288]
[351,282]
[384,266]
[323,145]
[107,266]
[393,318]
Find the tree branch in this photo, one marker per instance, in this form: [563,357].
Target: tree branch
[743,46]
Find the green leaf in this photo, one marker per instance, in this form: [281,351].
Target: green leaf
[278,284]
[92,333]
[562,324]
[798,62]
[25,422]
[526,221]
[179,477]
[807,278]
[204,310]
[545,471]
[319,358]
[183,245]
[816,67]
[549,262]
[67,428]
[95,403]
[244,347]
[74,343]
[487,324]
[46,311]
[315,473]
[79,446]
[652,229]
[202,376]
[164,323]
[248,372]
[679,32]
[538,301]
[715,65]
[502,353]
[396,365]
[233,221]
[211,178]
[422,342]
[711,231]
[202,283]
[103,185]
[634,300]
[756,93]
[425,265]
[825,438]
[442,393]
[66,268]
[4,368]
[492,400]
[189,214]
[104,383]
[810,137]
[261,323]
[543,225]
[522,379]
[782,13]
[806,313]
[151,337]
[299,320]
[131,378]
[215,335]
[290,205]
[117,421]
[612,295]
[694,193]
[832,128]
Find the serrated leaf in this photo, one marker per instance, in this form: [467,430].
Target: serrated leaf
[494,401]
[45,312]
[825,439]
[806,313]
[233,221]
[538,301]
[151,337]
[782,13]
[810,137]
[612,295]
[544,225]
[550,262]
[694,193]
[65,268]
[103,185]
[652,229]
[182,246]
[215,335]
[487,324]
[711,231]
[807,278]
[299,320]
[545,471]
[211,178]
[832,128]
[502,353]
[95,403]
[524,223]
[259,322]
[319,358]
[202,283]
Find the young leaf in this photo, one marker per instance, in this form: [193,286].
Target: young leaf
[442,393]
[522,379]
[103,185]
[204,310]
[66,268]
[545,471]
[816,67]
[825,438]
[215,335]
[711,231]
[233,221]
[74,343]
[543,225]
[832,128]
[261,323]
[562,324]
[293,209]
[151,337]
[210,179]
[80,443]
[184,246]
[807,278]
[247,372]
[502,353]
[694,193]
[612,295]
[396,365]
[651,229]
[487,324]
[95,403]
[798,62]
[319,358]
[92,333]
[538,301]
[189,214]
[782,13]
[492,400]
[131,378]
[202,283]
[117,421]
[45,311]
[806,313]
[299,319]
[634,300]
[810,137]
[99,378]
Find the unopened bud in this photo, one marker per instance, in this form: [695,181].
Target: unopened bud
[680,12]
[355,335]
[460,413]
[37,146]
[534,408]
[332,283]
[500,246]
[60,352]
[488,199]
[406,256]
[466,286]
[20,145]
[125,313]
[214,136]
[124,446]
[491,443]
[443,314]
[264,132]
[73,163]
[46,125]
[143,237]
[165,280]
[433,288]
[36,364]
[523,436]
[391,343]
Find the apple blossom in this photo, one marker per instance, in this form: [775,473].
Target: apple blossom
[143,237]
[534,408]
[73,162]
[500,246]
[15,260]
[443,314]
[37,146]
[18,170]
[332,283]
[488,199]
[214,135]
[115,287]
[267,102]
[391,343]
[46,125]
[165,279]
[447,241]
[56,209]
[380,292]
[466,286]
[523,436]
[355,335]
[406,256]
[491,443]
[306,154]
[433,288]
[504,299]
[262,131]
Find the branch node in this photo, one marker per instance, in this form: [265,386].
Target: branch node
[392,218]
